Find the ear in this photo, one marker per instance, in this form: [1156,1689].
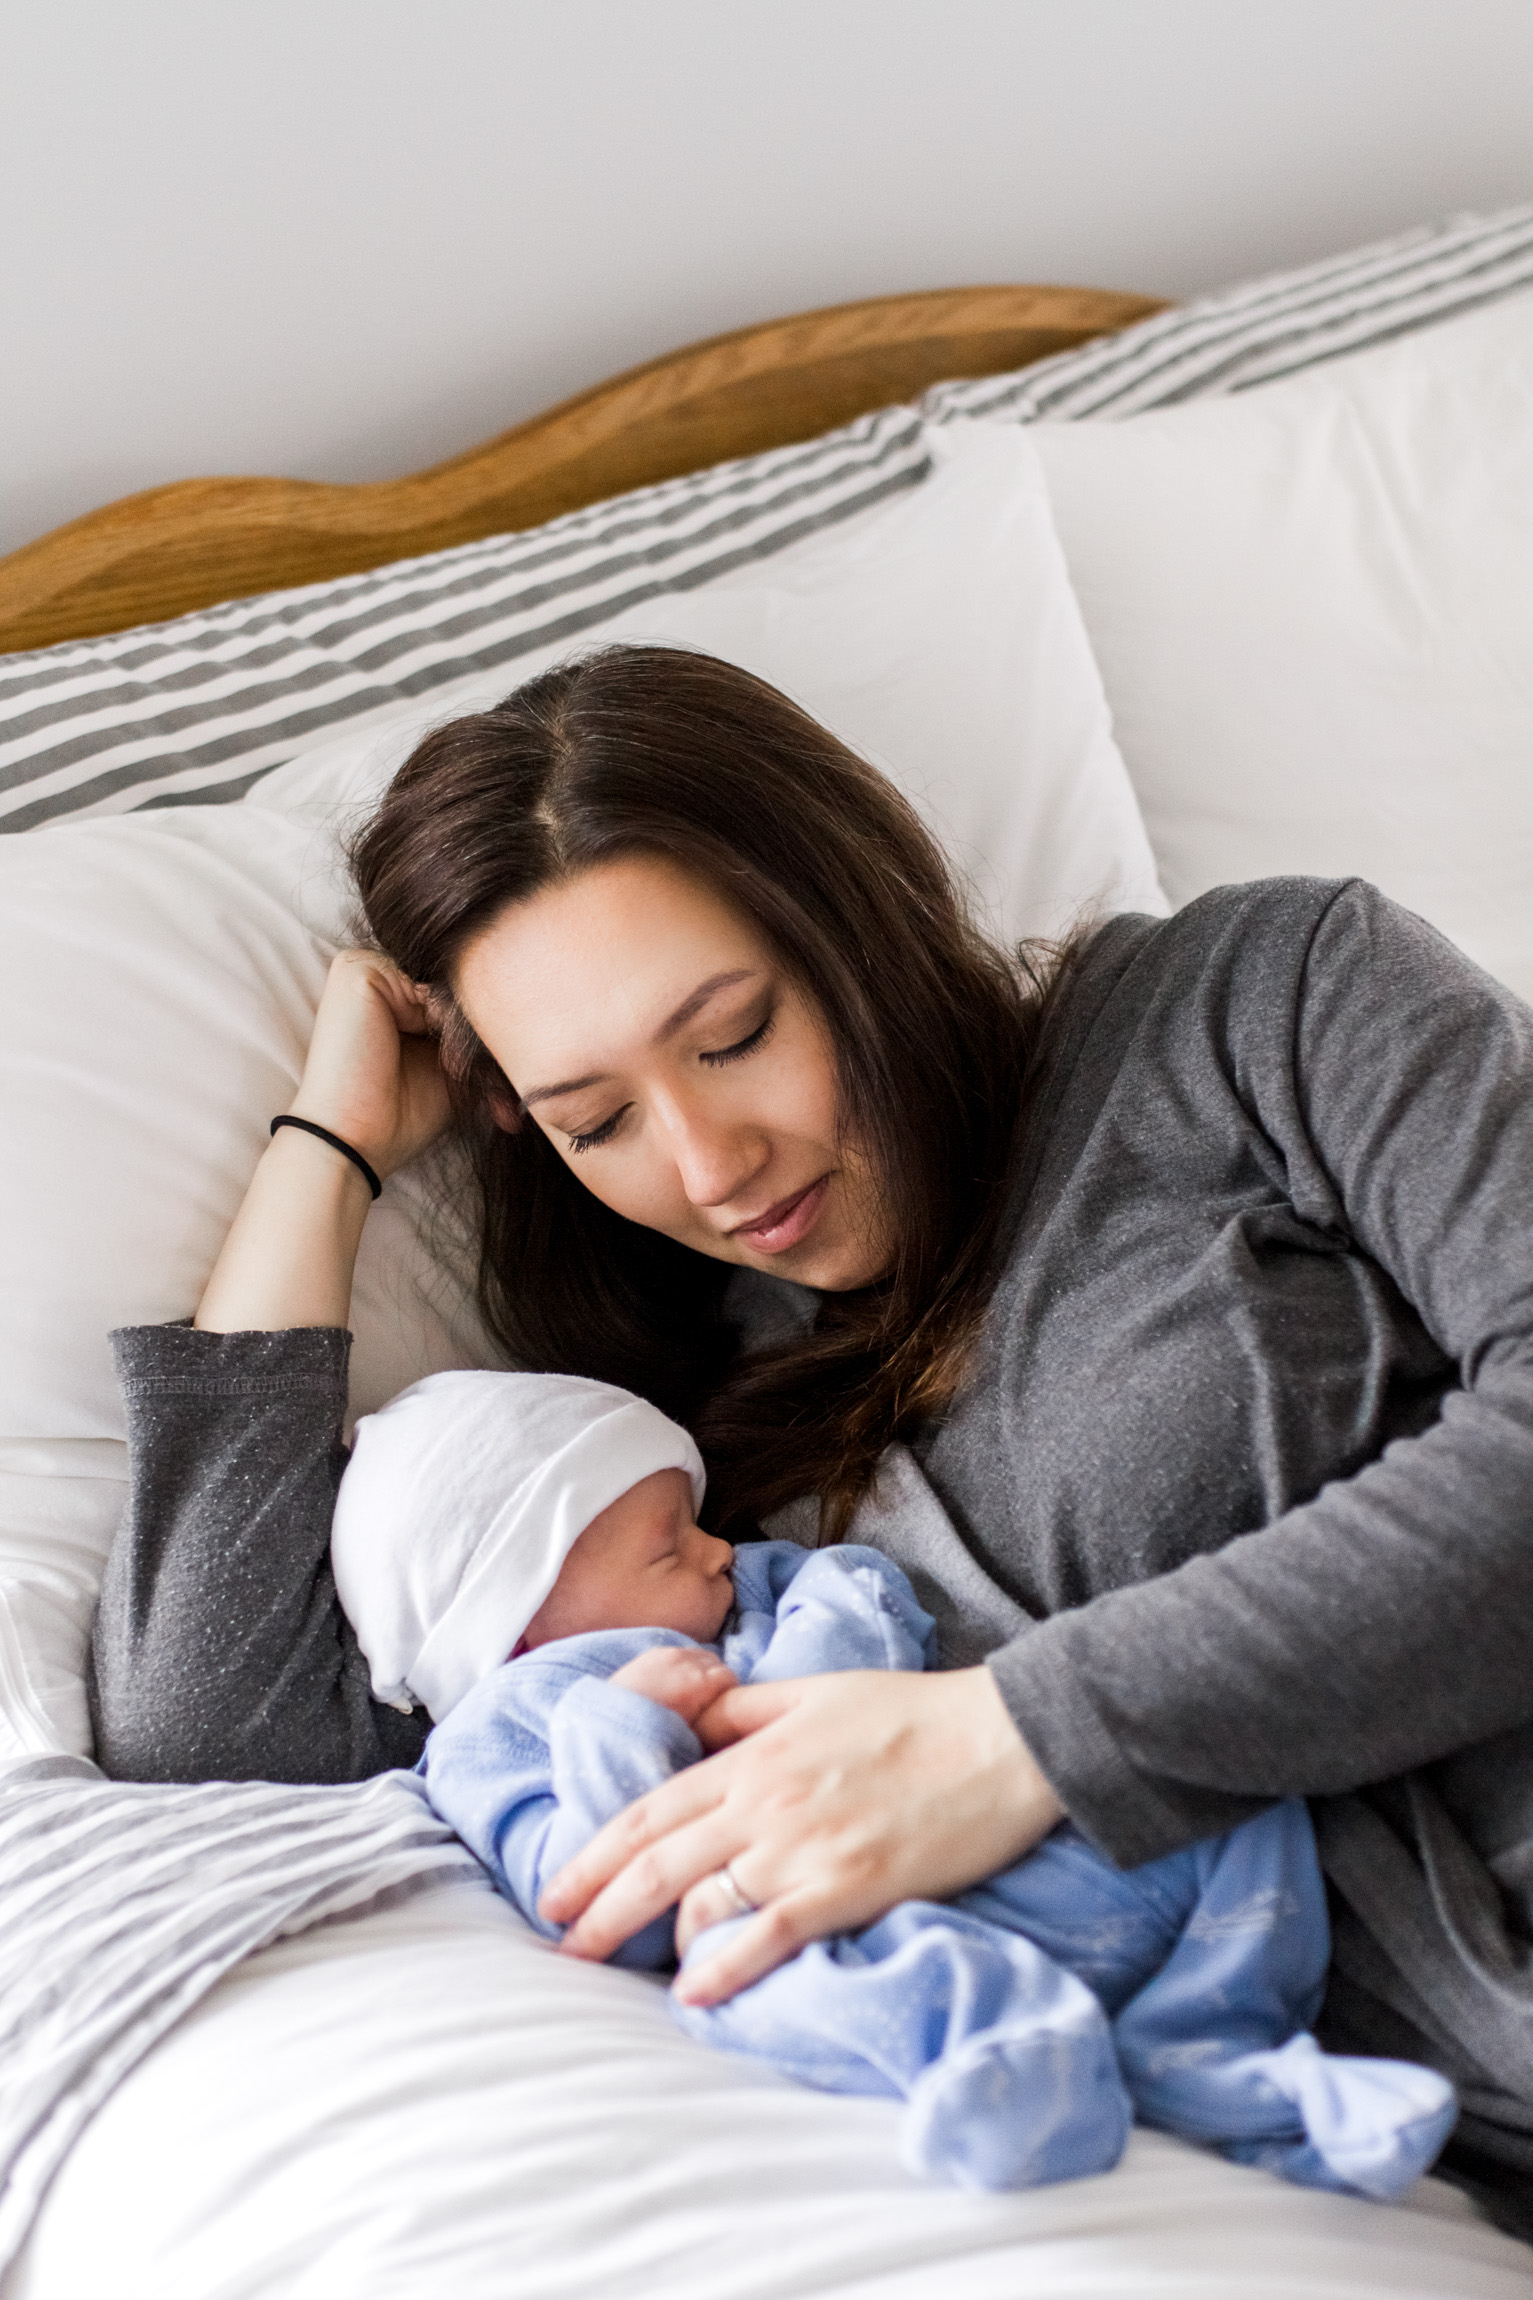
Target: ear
[504,1107]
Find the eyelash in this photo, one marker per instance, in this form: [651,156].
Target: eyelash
[594,1141]
[736,1053]
[742,1047]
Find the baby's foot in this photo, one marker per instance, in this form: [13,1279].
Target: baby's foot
[1370,2127]
[684,1678]
[1019,2108]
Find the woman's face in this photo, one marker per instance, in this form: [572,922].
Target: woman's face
[653,1036]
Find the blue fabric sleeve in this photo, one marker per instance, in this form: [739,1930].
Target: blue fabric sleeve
[844,1608]
[543,1754]
[763,1572]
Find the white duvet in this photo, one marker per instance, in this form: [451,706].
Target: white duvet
[517,2127]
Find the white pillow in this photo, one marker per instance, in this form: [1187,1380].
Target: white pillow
[1313,609]
[162,971]
[937,635]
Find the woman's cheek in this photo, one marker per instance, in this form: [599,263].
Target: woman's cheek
[819,1088]
[794,1090]
[640,1186]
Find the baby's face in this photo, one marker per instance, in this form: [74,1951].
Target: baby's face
[643,1564]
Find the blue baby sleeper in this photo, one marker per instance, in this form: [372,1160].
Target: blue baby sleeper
[1026,2023]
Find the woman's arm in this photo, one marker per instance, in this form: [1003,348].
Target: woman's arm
[220,1649]
[371,1076]
[1387,1621]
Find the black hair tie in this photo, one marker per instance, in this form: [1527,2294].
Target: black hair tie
[323,1134]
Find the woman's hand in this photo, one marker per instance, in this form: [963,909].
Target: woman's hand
[839,1796]
[372,1076]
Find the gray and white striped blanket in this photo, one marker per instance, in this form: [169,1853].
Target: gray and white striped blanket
[121,1905]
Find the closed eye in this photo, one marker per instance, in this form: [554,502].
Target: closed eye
[715,1060]
[598,1134]
[742,1047]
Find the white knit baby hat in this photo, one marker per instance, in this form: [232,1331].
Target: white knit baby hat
[462,1499]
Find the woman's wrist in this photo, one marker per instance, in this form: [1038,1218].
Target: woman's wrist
[1023,1787]
[335,1142]
[321,1111]
[290,1254]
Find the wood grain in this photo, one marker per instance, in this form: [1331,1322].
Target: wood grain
[197,541]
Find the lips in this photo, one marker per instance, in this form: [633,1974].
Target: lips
[786,1223]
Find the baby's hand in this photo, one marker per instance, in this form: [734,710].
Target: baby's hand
[685,1678]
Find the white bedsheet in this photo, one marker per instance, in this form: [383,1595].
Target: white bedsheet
[516,2127]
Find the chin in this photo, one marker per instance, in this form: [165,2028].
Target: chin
[830,1269]
[849,1254]
[832,1276]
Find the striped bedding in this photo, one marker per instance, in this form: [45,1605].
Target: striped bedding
[123,1904]
[1270,327]
[197,710]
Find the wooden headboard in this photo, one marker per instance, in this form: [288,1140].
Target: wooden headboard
[197,541]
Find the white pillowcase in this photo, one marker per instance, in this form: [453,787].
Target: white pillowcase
[1313,609]
[938,636]
[162,971]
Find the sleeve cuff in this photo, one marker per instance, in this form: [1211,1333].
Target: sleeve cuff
[179,1360]
[1125,1814]
[595,1703]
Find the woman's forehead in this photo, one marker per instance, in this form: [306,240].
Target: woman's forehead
[621,957]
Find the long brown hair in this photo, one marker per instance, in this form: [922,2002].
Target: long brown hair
[655,750]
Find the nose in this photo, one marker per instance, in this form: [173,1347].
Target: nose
[716,1161]
[726,1556]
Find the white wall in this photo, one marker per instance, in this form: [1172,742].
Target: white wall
[342,238]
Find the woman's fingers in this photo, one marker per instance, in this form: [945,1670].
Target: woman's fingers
[627,1838]
[772,1936]
[653,1881]
[664,1816]
[372,1074]
[719,1896]
[409,1002]
[734,1715]
[842,1795]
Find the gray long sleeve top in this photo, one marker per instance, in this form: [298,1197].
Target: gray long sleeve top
[1249,1439]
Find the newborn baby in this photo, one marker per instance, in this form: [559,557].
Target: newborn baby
[520,1553]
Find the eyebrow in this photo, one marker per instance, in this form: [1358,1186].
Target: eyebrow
[689,1007]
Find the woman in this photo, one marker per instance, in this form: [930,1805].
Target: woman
[1199,1282]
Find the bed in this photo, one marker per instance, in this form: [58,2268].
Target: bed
[1053,557]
